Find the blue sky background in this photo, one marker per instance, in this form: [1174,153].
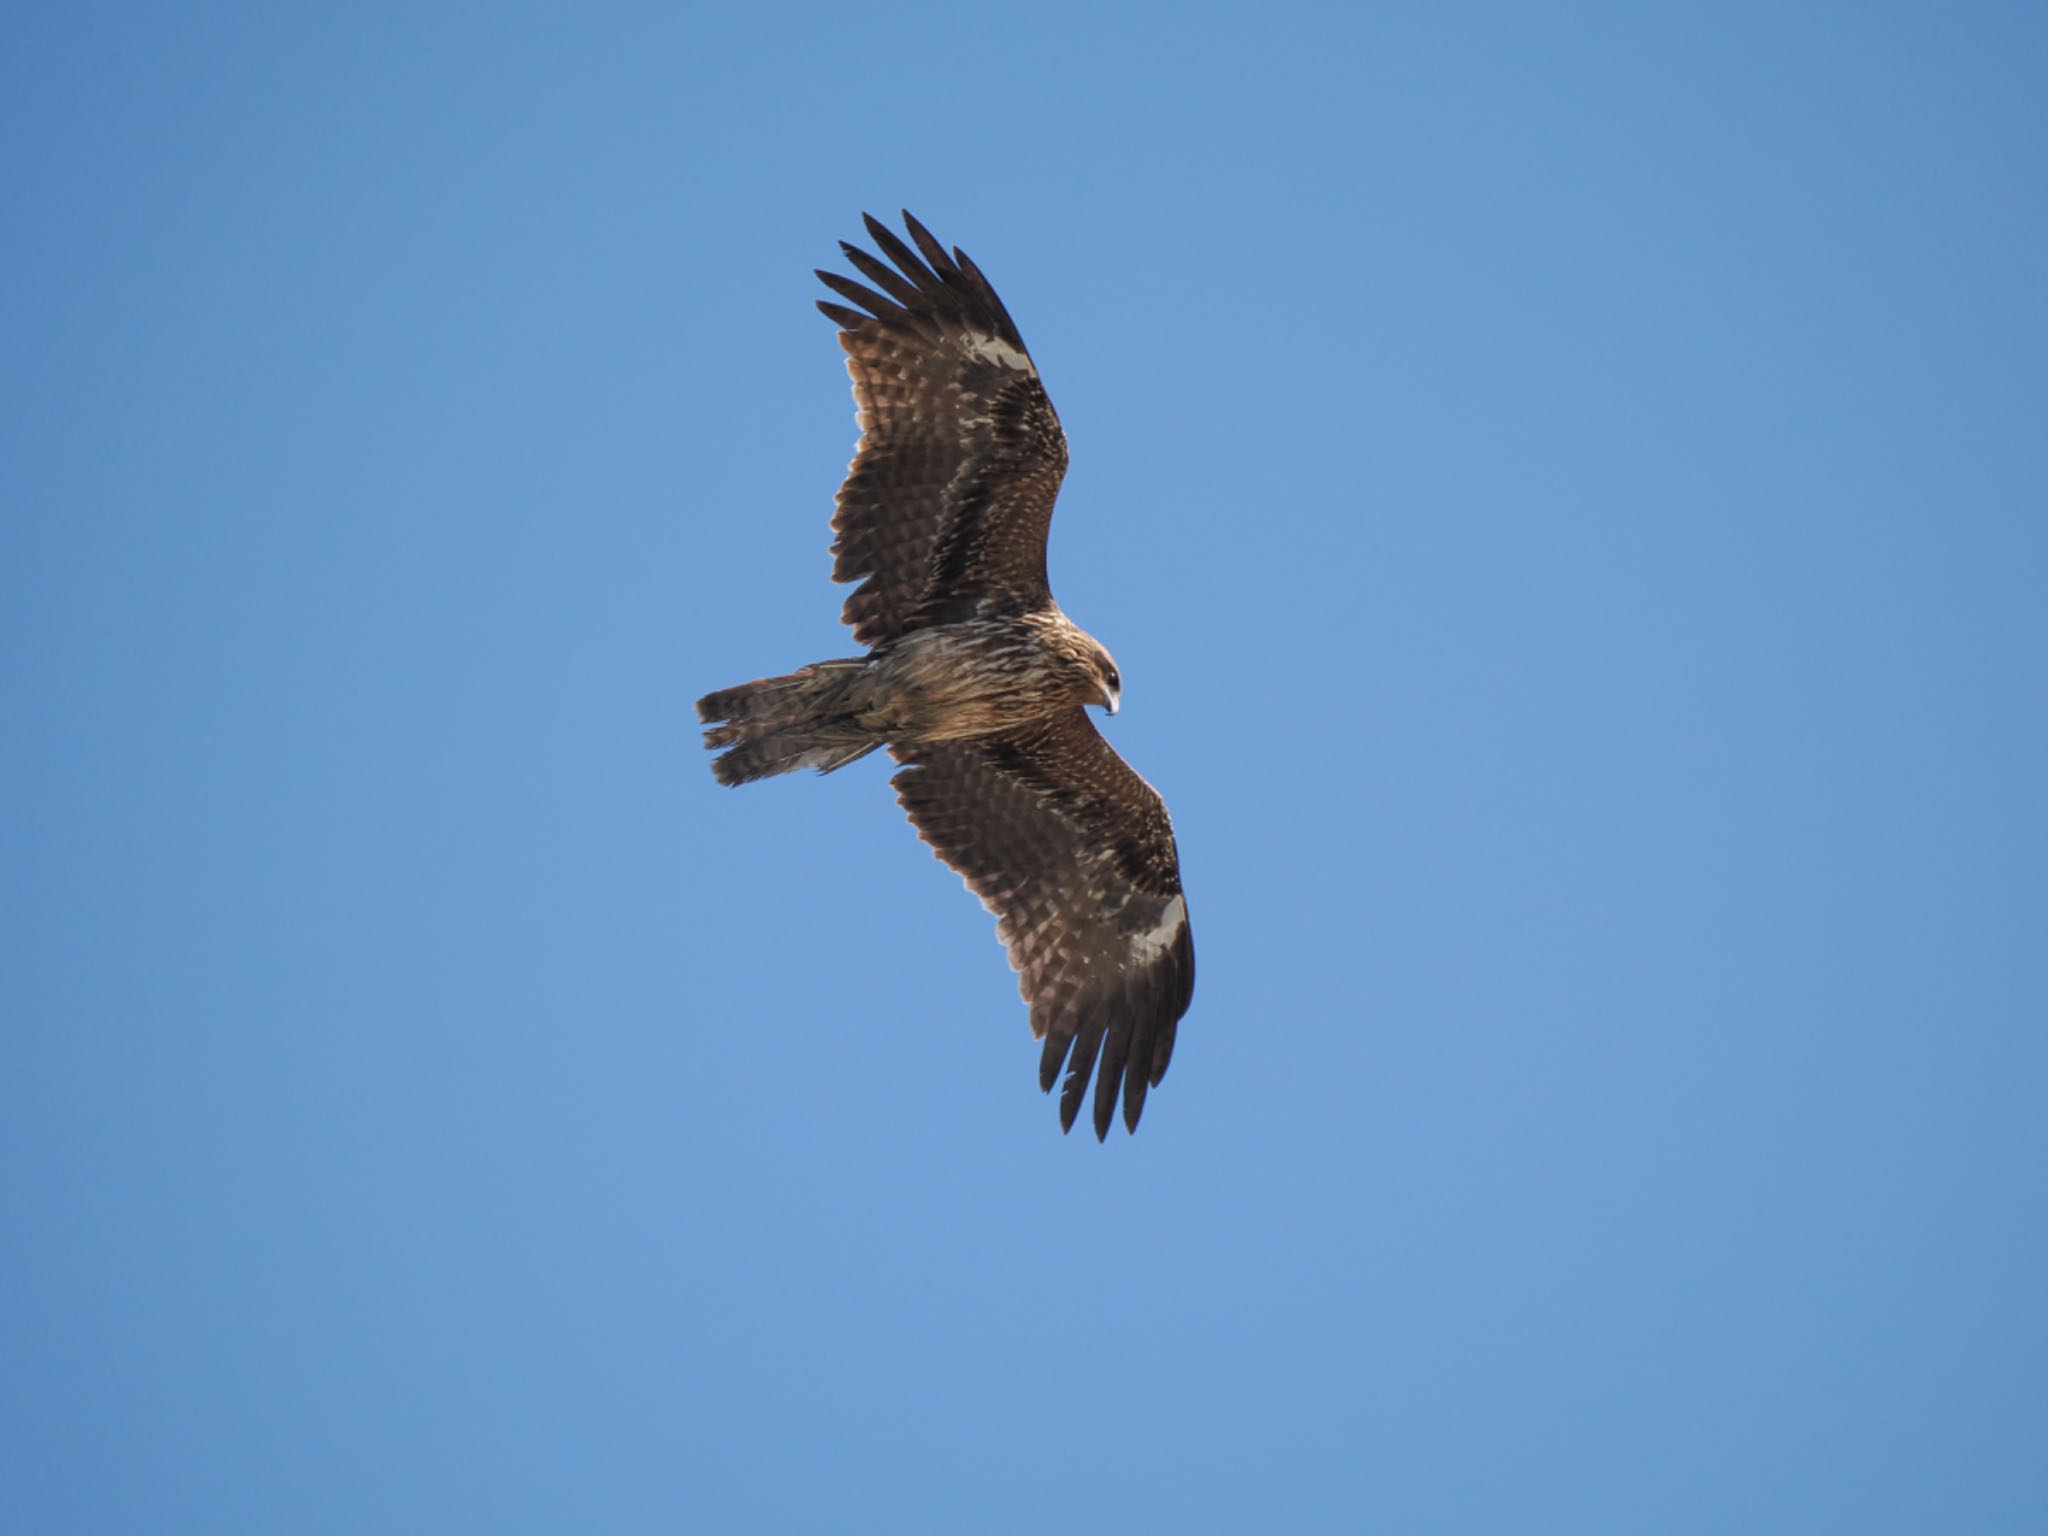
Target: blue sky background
[1568,491]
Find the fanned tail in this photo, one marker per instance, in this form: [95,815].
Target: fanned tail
[779,724]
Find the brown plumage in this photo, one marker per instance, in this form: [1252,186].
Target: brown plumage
[975,681]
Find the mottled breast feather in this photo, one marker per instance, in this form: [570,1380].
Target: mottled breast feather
[946,506]
[1074,854]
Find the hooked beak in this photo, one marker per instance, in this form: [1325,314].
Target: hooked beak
[1111,698]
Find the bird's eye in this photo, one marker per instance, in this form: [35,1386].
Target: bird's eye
[1109,676]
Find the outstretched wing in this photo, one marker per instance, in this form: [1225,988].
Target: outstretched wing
[945,509]
[1074,854]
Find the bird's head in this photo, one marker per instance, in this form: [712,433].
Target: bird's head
[1106,677]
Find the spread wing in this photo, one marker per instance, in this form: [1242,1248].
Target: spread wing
[944,511]
[1074,853]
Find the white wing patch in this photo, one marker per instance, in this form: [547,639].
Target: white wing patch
[1155,941]
[993,349]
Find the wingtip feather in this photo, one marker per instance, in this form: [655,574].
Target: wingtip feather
[1135,1085]
[873,302]
[928,246]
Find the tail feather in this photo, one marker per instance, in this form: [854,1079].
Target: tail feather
[778,724]
[784,752]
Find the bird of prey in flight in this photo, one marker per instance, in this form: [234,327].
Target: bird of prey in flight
[975,680]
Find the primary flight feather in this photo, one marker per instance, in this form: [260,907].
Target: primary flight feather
[975,680]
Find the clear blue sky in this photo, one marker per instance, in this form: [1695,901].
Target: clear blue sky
[1568,493]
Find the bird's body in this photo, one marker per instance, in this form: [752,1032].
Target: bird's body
[980,677]
[951,682]
[976,681]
